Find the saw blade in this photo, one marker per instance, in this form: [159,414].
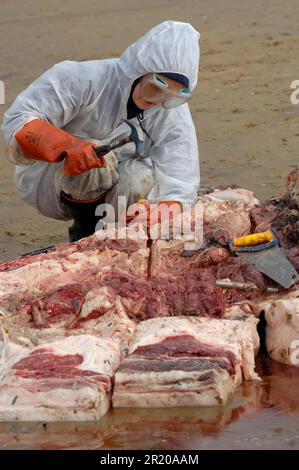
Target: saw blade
[274,264]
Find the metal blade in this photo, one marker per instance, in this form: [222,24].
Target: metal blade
[274,264]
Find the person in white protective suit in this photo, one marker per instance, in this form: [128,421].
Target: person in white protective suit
[52,127]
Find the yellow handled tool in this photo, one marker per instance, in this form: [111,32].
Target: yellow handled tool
[254,239]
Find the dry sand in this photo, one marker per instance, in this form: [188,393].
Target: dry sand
[247,127]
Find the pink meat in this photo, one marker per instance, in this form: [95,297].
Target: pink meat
[196,294]
[61,251]
[44,364]
[183,345]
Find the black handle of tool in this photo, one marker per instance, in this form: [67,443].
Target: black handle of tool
[104,149]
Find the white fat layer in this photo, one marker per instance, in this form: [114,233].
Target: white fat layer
[238,337]
[282,330]
[210,396]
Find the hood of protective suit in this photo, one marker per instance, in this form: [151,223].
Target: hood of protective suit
[172,46]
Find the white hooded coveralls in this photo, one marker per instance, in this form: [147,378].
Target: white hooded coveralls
[89,100]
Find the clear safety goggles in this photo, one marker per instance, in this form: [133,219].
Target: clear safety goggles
[156,90]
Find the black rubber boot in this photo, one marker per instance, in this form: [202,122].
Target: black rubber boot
[83,213]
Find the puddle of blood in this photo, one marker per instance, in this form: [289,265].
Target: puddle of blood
[259,416]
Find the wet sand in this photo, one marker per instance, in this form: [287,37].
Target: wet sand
[247,127]
[248,135]
[259,416]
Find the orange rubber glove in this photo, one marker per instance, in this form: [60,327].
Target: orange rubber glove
[155,214]
[40,140]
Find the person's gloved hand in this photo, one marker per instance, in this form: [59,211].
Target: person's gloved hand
[140,210]
[155,213]
[80,157]
[40,140]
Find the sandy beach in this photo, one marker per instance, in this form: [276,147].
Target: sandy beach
[247,127]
